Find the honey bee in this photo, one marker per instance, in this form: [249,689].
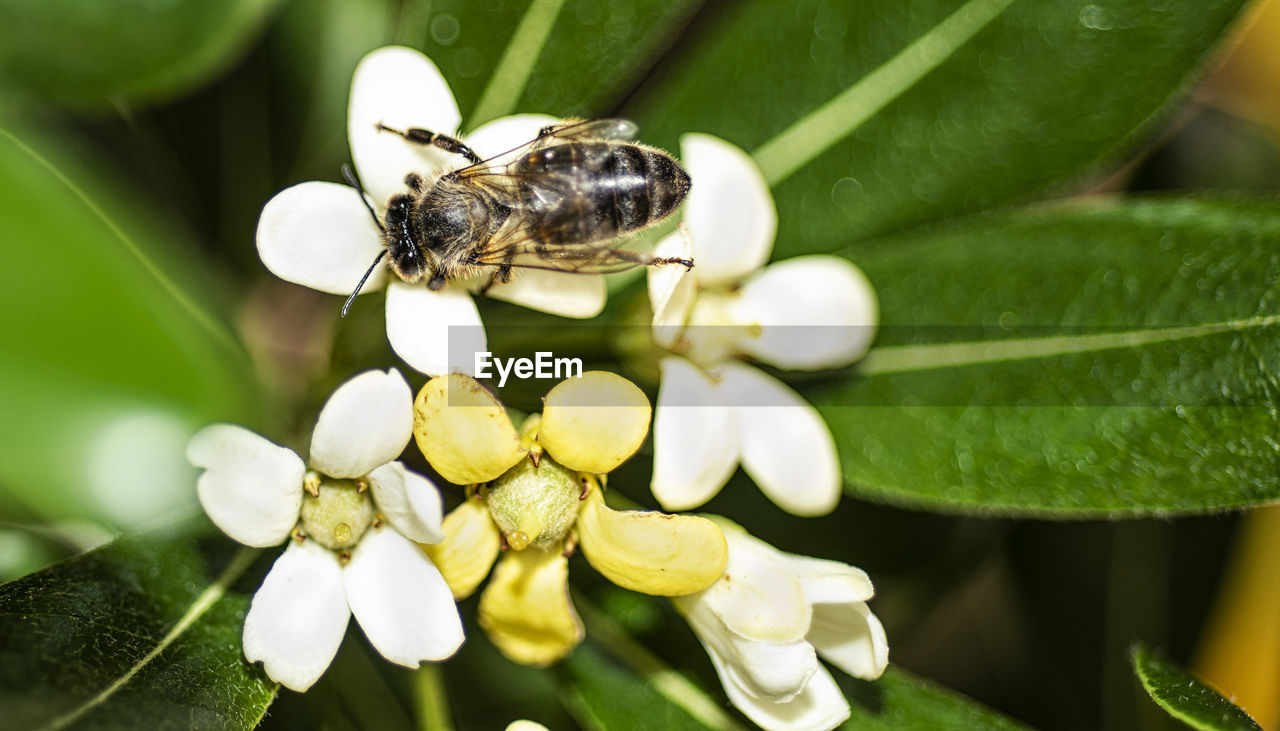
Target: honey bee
[557,202]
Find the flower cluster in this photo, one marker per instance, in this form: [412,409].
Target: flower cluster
[540,491]
[810,313]
[366,536]
[353,517]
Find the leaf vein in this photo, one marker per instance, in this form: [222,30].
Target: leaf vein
[210,596]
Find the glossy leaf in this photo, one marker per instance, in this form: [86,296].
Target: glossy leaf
[1106,358]
[900,700]
[1186,698]
[592,55]
[111,355]
[142,633]
[88,53]
[934,108]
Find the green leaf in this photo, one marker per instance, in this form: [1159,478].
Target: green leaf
[1106,358]
[605,695]
[91,53]
[900,700]
[142,633]
[584,64]
[873,116]
[110,356]
[1186,698]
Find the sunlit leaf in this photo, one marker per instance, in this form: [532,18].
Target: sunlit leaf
[1186,698]
[935,108]
[1102,359]
[143,633]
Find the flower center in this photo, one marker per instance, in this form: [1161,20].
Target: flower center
[535,505]
[338,515]
[713,334]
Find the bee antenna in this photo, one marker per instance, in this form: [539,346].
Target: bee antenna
[347,305]
[349,175]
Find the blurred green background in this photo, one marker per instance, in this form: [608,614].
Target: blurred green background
[139,140]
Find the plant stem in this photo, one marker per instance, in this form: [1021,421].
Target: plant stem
[669,683]
[430,700]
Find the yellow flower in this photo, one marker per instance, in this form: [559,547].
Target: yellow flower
[537,493]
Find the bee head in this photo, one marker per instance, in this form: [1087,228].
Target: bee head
[405,256]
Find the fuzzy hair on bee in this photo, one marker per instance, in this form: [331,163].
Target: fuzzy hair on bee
[559,202]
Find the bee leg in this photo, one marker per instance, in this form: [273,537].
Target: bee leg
[659,261]
[414,181]
[427,137]
[501,275]
[436,282]
[645,259]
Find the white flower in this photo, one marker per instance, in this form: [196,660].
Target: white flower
[810,312]
[320,234]
[767,620]
[354,518]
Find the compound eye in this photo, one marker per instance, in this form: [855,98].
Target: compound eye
[408,265]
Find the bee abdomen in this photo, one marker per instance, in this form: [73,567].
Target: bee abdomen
[667,186]
[647,185]
[605,189]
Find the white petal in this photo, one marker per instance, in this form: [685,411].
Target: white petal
[820,706]
[815,312]
[507,134]
[434,332]
[401,601]
[559,293]
[298,617]
[729,212]
[400,88]
[850,637]
[320,235]
[786,446]
[409,501]
[251,488]
[830,582]
[761,599]
[695,439]
[367,422]
[672,288]
[762,670]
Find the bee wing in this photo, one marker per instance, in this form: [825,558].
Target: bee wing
[515,246]
[597,129]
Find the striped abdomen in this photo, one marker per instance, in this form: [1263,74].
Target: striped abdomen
[590,192]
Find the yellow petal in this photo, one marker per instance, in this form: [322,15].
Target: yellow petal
[470,545]
[651,552]
[594,423]
[526,608]
[463,431]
